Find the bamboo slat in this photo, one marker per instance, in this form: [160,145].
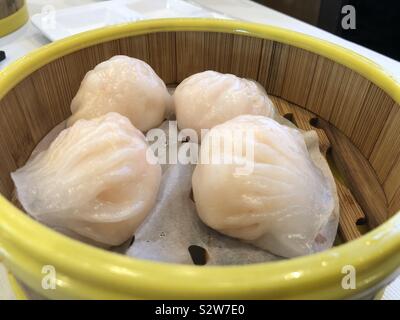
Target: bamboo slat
[298,76]
[136,47]
[349,101]
[265,65]
[217,52]
[304,119]
[7,165]
[71,62]
[89,57]
[301,118]
[38,115]
[362,121]
[189,58]
[55,103]
[16,133]
[246,55]
[224,53]
[387,149]
[80,62]
[104,51]
[283,106]
[273,75]
[372,117]
[350,211]
[7,7]
[163,55]
[325,87]
[359,175]
[394,204]
[392,188]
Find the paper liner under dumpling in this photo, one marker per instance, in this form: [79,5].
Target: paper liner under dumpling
[221,249]
[173,224]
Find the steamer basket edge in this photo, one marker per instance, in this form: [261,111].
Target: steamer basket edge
[384,237]
[11,20]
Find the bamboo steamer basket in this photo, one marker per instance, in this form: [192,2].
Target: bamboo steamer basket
[351,103]
[13,15]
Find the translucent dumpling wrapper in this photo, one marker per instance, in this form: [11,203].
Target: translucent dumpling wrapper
[209,98]
[278,197]
[125,85]
[98,179]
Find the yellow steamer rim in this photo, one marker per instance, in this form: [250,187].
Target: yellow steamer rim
[14,21]
[84,271]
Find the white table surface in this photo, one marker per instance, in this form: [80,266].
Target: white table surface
[29,38]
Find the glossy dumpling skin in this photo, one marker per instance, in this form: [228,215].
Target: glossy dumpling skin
[280,205]
[125,85]
[94,179]
[208,98]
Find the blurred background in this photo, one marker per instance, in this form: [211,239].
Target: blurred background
[377,22]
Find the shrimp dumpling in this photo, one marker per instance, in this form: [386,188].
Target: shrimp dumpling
[208,98]
[125,85]
[98,178]
[272,196]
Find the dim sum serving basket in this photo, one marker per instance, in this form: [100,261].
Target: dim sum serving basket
[349,100]
[13,15]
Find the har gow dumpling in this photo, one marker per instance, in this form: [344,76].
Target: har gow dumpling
[280,205]
[95,179]
[125,85]
[208,98]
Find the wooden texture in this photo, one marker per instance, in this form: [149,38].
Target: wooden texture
[392,188]
[273,66]
[386,151]
[359,174]
[371,120]
[325,87]
[394,204]
[351,213]
[349,101]
[361,123]
[227,53]
[8,7]
[298,76]
[163,55]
